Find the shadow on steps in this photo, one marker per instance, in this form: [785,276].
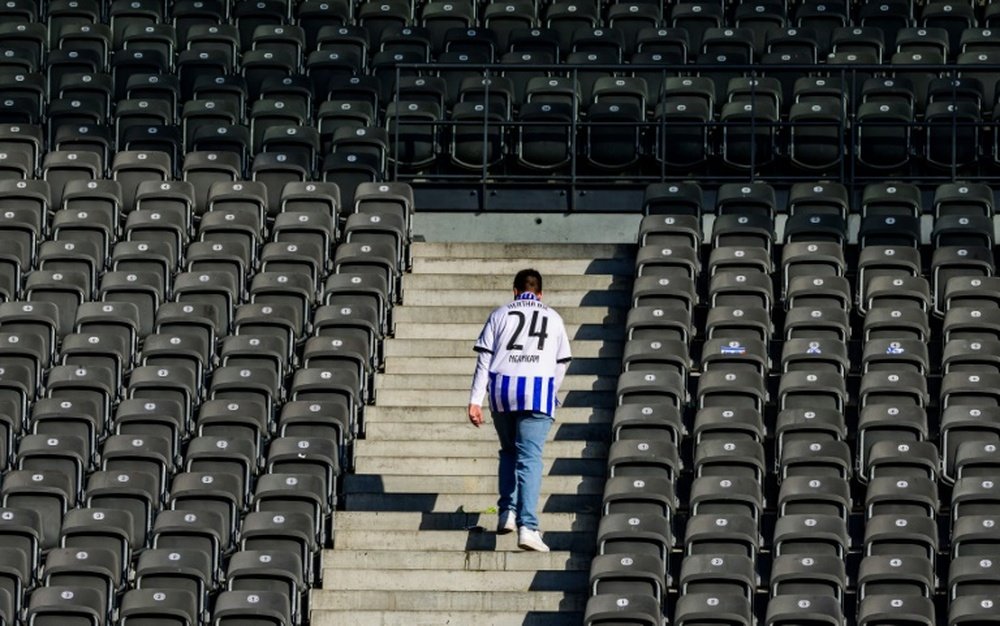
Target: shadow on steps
[564,617]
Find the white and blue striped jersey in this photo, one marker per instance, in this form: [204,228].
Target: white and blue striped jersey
[526,341]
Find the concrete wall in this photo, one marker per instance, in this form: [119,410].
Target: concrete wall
[526,227]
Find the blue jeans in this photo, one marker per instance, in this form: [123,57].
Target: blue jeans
[522,436]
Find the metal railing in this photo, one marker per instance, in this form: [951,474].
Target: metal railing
[650,131]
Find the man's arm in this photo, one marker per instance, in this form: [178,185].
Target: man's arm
[478,391]
[563,357]
[561,368]
[560,374]
[484,348]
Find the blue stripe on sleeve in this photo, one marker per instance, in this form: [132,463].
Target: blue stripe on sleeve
[504,390]
[536,395]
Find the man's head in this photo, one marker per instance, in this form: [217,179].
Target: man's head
[528,280]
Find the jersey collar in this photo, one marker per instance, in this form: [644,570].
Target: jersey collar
[527,295]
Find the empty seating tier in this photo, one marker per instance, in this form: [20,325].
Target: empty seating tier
[804,425]
[181,389]
[462,91]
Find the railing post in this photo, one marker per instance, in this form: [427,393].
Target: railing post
[954,126]
[659,151]
[753,126]
[844,145]
[571,199]
[395,136]
[849,97]
[484,170]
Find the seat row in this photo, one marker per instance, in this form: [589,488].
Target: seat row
[814,277]
[683,139]
[90,155]
[750,128]
[883,138]
[681,200]
[515,26]
[510,89]
[302,24]
[133,75]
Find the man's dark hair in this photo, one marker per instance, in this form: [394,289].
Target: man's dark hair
[528,280]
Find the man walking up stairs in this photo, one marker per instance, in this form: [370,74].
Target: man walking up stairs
[521,364]
[417,542]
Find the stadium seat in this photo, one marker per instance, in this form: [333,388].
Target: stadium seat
[142,607]
[814,611]
[817,576]
[257,608]
[279,573]
[908,610]
[54,605]
[731,609]
[611,608]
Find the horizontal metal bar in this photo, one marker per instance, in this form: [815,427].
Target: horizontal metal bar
[688,68]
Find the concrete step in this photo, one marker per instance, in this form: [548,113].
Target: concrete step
[458,348]
[447,415]
[450,580]
[422,433]
[459,560]
[469,332]
[505,283]
[467,364]
[439,382]
[439,618]
[391,599]
[437,484]
[529,252]
[473,502]
[414,397]
[451,541]
[373,447]
[495,298]
[508,267]
[409,521]
[405,314]
[471,466]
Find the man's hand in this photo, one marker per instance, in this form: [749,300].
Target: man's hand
[476,415]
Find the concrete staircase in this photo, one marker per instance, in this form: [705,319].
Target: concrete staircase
[416,544]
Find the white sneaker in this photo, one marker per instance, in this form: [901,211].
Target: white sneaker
[507,523]
[528,539]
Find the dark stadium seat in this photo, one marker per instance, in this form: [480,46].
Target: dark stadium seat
[256,608]
[292,532]
[696,18]
[645,458]
[268,571]
[505,18]
[56,605]
[682,125]
[184,571]
[611,608]
[729,609]
[144,607]
[909,610]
